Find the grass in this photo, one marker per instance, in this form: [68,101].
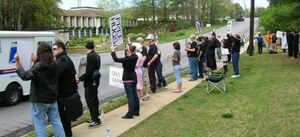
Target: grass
[264,101]
[164,37]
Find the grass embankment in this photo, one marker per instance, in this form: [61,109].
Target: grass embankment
[264,101]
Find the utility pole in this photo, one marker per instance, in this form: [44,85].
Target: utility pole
[251,47]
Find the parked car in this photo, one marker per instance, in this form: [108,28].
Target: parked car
[239,19]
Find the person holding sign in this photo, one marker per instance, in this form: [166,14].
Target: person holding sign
[43,91]
[91,85]
[129,80]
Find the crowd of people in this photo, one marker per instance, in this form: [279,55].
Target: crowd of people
[289,41]
[54,79]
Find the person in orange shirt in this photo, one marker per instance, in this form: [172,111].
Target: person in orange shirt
[268,41]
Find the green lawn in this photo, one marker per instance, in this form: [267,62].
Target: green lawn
[263,102]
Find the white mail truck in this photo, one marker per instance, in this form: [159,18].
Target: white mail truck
[12,88]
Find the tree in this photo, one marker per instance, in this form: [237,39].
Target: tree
[238,10]
[29,14]
[259,11]
[282,18]
[281,2]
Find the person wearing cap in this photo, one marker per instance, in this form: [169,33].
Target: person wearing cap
[152,61]
[91,85]
[145,94]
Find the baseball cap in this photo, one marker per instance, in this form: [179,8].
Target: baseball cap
[150,37]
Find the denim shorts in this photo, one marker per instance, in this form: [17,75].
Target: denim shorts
[177,69]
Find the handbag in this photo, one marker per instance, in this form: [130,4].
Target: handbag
[72,107]
[96,73]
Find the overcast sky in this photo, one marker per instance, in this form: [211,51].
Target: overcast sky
[66,4]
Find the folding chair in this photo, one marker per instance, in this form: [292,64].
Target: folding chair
[217,81]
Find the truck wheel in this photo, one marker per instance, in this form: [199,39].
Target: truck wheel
[12,94]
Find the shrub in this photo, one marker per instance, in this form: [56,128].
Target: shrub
[183,24]
[180,33]
[281,18]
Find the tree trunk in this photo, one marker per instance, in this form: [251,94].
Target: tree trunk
[192,6]
[19,15]
[165,10]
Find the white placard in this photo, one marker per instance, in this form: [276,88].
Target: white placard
[279,34]
[24,50]
[115,77]
[229,26]
[208,25]
[116,32]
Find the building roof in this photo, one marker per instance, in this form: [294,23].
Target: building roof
[82,12]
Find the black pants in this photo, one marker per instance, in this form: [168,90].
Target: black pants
[211,61]
[160,78]
[133,99]
[201,67]
[295,50]
[260,47]
[92,101]
[63,118]
[290,50]
[152,78]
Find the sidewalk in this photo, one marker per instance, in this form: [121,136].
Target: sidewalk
[157,101]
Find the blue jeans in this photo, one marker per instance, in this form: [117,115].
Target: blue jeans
[38,115]
[193,63]
[235,63]
[176,70]
[133,99]
[201,67]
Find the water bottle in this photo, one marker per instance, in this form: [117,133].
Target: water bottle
[108,130]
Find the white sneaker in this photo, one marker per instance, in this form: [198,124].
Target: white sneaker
[235,76]
[146,97]
[165,87]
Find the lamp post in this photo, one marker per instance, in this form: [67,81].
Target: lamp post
[251,47]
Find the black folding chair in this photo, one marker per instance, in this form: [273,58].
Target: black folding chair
[217,81]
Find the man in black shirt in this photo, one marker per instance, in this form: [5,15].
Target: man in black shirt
[235,50]
[66,83]
[91,85]
[201,53]
[192,56]
[152,60]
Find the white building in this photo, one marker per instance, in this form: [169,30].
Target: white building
[87,22]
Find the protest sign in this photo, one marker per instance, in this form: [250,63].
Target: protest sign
[229,27]
[116,32]
[115,77]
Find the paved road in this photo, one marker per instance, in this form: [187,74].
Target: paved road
[15,120]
